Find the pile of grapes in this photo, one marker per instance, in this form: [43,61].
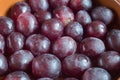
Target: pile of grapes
[54,39]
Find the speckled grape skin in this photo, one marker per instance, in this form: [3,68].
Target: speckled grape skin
[75,65]
[37,5]
[64,14]
[46,65]
[3,64]
[15,41]
[91,46]
[20,60]
[6,25]
[26,24]
[64,46]
[96,73]
[17,75]
[113,40]
[18,8]
[109,60]
[38,44]
[52,28]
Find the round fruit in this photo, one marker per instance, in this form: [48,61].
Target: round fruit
[91,46]
[38,44]
[75,65]
[96,73]
[64,47]
[46,65]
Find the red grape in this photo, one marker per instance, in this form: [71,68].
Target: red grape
[64,46]
[38,44]
[18,8]
[65,14]
[46,65]
[6,26]
[74,30]
[103,14]
[91,46]
[75,65]
[109,60]
[15,41]
[26,24]
[37,5]
[83,17]
[3,64]
[17,75]
[96,73]
[52,28]
[96,29]
[20,60]
[81,4]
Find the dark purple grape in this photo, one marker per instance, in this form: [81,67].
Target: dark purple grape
[75,65]
[77,5]
[71,78]
[83,17]
[2,44]
[3,64]
[15,41]
[52,28]
[109,60]
[26,24]
[6,26]
[91,46]
[37,5]
[96,29]
[17,75]
[42,16]
[18,8]
[21,60]
[45,78]
[58,3]
[74,30]
[96,73]
[64,14]
[103,14]
[64,46]
[113,40]
[46,65]
[38,44]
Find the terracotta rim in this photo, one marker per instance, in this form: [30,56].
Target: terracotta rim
[117,1]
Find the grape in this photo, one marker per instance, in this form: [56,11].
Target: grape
[37,5]
[38,44]
[109,60]
[74,30]
[46,65]
[6,25]
[81,4]
[96,29]
[83,17]
[75,65]
[91,46]
[20,60]
[26,24]
[18,8]
[52,28]
[103,14]
[3,64]
[96,73]
[17,75]
[15,41]
[64,14]
[64,46]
